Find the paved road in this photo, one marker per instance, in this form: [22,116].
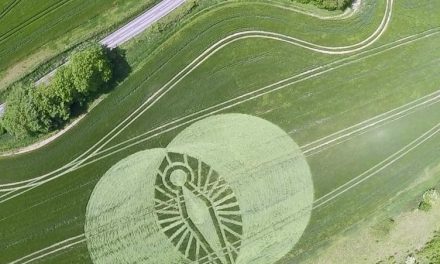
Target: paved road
[141,23]
[129,31]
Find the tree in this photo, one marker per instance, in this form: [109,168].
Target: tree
[91,70]
[62,85]
[57,97]
[23,115]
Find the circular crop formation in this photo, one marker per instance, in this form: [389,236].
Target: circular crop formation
[228,189]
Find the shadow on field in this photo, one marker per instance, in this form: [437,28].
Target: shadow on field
[121,70]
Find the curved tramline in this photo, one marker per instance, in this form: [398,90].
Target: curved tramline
[392,115]
[403,110]
[11,188]
[277,86]
[229,40]
[210,52]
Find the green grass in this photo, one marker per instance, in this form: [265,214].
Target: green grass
[430,253]
[308,110]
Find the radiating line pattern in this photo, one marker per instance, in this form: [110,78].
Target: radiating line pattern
[197,210]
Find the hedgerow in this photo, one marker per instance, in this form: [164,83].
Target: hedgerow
[32,110]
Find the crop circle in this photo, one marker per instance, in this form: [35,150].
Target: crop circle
[228,189]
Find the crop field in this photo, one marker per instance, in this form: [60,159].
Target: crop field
[308,122]
[27,26]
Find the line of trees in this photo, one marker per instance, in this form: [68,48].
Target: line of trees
[34,110]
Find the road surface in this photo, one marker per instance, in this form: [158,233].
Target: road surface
[142,22]
[129,31]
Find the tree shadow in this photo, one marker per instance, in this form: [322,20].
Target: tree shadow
[120,67]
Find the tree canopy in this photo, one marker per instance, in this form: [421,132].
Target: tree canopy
[91,70]
[23,115]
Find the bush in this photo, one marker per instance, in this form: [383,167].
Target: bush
[424,206]
[431,252]
[58,97]
[430,197]
[23,115]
